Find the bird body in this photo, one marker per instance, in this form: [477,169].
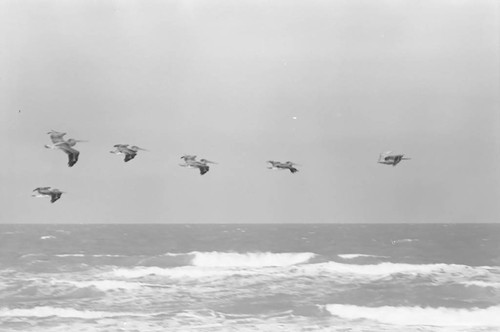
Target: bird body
[391,159]
[277,165]
[54,193]
[58,142]
[129,152]
[191,162]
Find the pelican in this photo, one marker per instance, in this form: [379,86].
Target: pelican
[391,159]
[54,194]
[191,162]
[129,152]
[280,166]
[58,142]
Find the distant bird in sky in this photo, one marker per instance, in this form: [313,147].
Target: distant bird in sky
[191,162]
[391,159]
[54,194]
[129,152]
[280,166]
[58,142]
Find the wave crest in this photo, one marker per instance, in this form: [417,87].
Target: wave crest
[256,259]
[353,256]
[46,311]
[428,316]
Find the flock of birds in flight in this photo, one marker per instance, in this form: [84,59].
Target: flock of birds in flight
[67,146]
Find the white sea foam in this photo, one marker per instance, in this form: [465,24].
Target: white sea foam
[47,237]
[420,316]
[108,255]
[386,269]
[70,255]
[403,241]
[46,311]
[251,259]
[481,283]
[105,285]
[83,255]
[183,272]
[352,256]
[381,269]
[441,273]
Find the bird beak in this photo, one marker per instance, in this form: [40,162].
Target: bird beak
[80,140]
[211,162]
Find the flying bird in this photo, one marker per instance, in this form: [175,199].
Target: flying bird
[129,152]
[391,159]
[281,166]
[191,162]
[54,194]
[58,142]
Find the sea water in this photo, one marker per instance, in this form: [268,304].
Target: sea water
[308,277]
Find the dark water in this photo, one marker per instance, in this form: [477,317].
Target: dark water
[250,277]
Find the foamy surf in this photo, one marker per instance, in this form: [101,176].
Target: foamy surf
[46,311]
[353,256]
[105,285]
[481,283]
[217,264]
[184,272]
[420,316]
[251,259]
[387,269]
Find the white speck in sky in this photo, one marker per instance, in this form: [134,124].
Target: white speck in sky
[294,117]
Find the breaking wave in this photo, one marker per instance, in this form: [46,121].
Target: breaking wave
[46,311]
[105,285]
[403,241]
[257,259]
[83,255]
[220,265]
[386,268]
[226,259]
[352,256]
[216,264]
[428,316]
[183,272]
[70,255]
[480,283]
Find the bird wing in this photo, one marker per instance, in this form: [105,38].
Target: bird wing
[121,147]
[55,196]
[203,169]
[188,157]
[41,188]
[57,137]
[129,155]
[72,153]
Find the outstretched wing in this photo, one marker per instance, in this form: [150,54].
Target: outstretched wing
[55,196]
[203,169]
[57,137]
[188,157]
[129,156]
[72,154]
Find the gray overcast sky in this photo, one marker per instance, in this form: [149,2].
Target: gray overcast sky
[224,80]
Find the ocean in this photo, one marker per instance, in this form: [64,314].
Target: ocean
[287,277]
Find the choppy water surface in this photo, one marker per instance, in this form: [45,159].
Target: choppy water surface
[250,277]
